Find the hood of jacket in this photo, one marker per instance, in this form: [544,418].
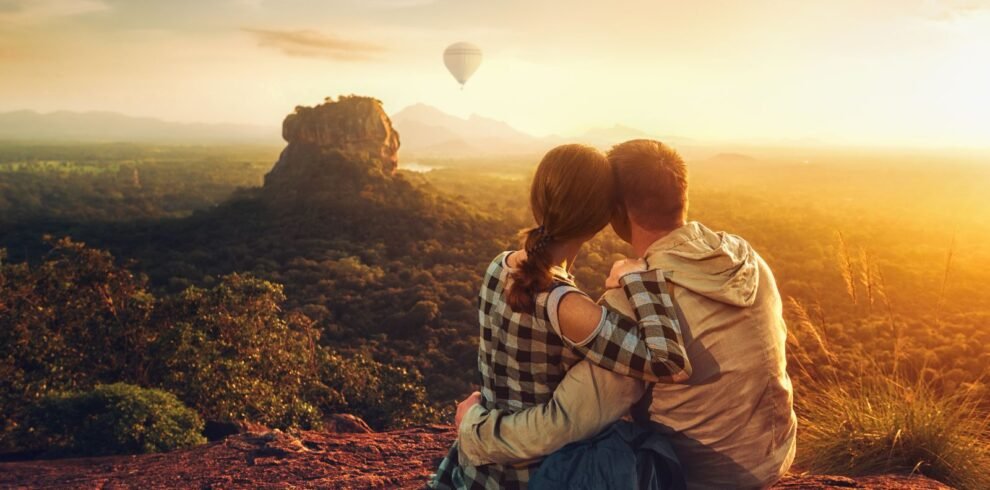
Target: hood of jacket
[717,265]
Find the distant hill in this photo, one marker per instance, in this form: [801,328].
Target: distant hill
[735,158]
[114,127]
[426,130]
[607,137]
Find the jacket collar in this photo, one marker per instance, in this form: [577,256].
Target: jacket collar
[689,232]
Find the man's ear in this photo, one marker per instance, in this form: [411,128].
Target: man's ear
[620,222]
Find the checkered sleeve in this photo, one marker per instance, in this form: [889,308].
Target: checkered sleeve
[650,348]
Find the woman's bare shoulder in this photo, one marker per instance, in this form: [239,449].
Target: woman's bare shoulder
[578,316]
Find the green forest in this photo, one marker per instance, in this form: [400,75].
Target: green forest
[170,268]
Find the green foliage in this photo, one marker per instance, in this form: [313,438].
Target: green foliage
[78,320]
[232,354]
[385,396]
[73,321]
[117,182]
[114,419]
[342,255]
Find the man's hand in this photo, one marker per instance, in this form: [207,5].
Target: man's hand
[622,268]
[464,406]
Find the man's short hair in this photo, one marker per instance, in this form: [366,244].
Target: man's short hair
[651,183]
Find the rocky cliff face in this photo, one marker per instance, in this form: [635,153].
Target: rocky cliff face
[335,143]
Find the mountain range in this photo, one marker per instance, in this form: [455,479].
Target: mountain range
[106,127]
[424,131]
[428,131]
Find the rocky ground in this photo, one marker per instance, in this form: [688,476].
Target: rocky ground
[270,460]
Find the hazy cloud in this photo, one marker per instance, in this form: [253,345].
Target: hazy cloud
[35,10]
[313,44]
[397,3]
[948,10]
[254,4]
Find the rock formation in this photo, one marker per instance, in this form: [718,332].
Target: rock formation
[335,144]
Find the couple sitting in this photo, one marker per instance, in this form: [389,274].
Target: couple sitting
[676,377]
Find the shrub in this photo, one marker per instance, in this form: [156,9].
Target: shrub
[231,353]
[385,396]
[114,419]
[68,323]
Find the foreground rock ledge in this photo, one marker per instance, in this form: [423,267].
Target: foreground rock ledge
[398,459]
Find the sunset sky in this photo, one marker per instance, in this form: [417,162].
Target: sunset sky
[878,72]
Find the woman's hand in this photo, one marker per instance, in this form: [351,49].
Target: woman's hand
[464,406]
[622,268]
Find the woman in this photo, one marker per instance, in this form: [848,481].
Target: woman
[536,323]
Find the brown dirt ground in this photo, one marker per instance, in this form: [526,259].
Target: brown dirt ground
[275,460]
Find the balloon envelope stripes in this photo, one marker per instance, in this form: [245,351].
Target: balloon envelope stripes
[462,60]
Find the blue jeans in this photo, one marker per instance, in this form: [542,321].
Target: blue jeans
[623,456]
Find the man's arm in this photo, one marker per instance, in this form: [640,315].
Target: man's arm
[650,348]
[587,400]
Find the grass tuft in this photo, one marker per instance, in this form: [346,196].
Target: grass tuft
[879,425]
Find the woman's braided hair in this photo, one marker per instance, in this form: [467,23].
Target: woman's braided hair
[572,196]
[543,238]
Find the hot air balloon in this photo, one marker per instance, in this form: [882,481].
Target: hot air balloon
[462,60]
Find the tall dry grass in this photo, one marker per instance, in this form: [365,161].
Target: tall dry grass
[861,416]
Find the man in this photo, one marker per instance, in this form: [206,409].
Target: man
[732,423]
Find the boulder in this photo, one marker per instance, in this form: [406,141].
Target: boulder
[217,430]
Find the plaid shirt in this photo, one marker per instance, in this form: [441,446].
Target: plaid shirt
[522,357]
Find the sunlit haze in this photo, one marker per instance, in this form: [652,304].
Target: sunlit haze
[885,73]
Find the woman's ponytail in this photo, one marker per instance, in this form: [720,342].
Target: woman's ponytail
[533,274]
